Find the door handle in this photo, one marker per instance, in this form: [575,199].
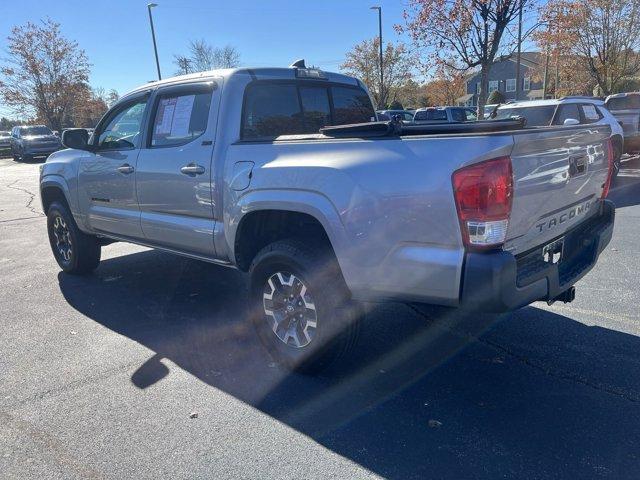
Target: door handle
[192,169]
[126,169]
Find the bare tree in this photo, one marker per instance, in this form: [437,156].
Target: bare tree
[44,72]
[363,62]
[203,57]
[461,34]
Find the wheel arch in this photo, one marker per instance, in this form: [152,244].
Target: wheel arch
[314,212]
[54,188]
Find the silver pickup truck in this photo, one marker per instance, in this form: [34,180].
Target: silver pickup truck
[285,174]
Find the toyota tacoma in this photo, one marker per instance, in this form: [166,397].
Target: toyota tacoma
[286,174]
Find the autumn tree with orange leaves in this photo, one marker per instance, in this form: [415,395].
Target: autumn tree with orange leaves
[461,34]
[45,74]
[598,37]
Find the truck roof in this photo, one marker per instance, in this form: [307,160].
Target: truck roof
[262,73]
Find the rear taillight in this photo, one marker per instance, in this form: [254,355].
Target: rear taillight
[483,194]
[610,161]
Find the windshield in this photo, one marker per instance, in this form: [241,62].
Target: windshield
[36,130]
[539,116]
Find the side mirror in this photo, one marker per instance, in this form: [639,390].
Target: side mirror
[77,138]
[571,121]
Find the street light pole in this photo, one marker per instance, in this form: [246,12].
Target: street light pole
[518,85]
[153,36]
[381,61]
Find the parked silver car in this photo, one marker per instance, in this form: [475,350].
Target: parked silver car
[572,110]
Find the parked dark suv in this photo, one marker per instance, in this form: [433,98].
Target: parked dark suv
[31,141]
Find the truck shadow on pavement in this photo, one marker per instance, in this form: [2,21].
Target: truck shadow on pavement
[625,189]
[427,394]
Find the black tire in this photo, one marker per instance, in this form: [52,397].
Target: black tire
[76,252]
[336,316]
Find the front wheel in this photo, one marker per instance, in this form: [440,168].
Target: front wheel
[76,252]
[300,306]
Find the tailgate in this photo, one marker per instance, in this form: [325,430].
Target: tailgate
[558,176]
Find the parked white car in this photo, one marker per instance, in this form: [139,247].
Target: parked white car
[573,110]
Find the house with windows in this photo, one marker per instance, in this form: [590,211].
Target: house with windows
[502,77]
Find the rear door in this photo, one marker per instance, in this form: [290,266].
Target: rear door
[106,177]
[558,176]
[174,175]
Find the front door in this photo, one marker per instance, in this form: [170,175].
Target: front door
[174,171]
[106,178]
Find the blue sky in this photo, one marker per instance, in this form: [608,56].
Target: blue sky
[116,37]
[115,33]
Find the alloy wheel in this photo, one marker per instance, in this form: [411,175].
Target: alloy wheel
[290,309]
[63,238]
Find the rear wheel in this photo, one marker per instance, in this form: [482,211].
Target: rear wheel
[300,306]
[75,251]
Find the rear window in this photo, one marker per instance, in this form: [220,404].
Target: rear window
[590,113]
[351,105]
[274,109]
[536,116]
[432,114]
[624,103]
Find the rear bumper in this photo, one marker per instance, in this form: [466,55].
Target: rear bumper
[500,281]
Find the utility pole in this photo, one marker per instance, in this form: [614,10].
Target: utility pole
[381,64]
[153,36]
[518,84]
[546,76]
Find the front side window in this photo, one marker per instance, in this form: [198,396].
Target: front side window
[122,130]
[470,115]
[511,85]
[351,105]
[180,118]
[493,85]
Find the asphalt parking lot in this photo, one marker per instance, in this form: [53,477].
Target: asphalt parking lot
[146,369]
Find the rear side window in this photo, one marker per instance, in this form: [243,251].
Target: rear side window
[458,115]
[274,109]
[565,112]
[351,105]
[624,103]
[590,113]
[180,118]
